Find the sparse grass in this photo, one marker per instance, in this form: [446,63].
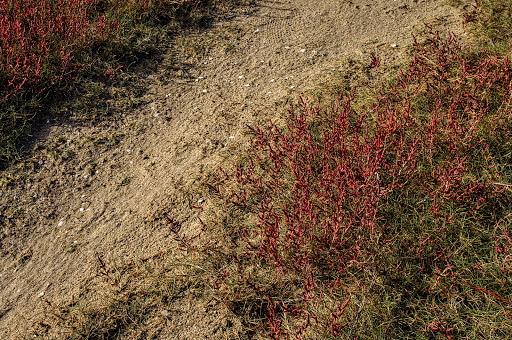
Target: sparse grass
[490,21]
[386,219]
[133,302]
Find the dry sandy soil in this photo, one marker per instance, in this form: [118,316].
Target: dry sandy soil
[90,189]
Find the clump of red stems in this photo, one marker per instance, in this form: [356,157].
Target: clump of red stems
[41,39]
[334,189]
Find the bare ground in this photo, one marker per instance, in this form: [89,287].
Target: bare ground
[91,189]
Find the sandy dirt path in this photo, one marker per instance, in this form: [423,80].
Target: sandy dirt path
[65,211]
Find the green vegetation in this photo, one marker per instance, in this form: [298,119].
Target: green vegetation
[490,21]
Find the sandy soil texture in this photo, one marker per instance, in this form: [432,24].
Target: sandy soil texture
[91,188]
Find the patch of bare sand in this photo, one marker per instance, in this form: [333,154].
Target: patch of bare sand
[91,189]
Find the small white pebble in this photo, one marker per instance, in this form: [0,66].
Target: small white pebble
[240,77]
[269,92]
[75,241]
[19,290]
[272,80]
[210,58]
[292,87]
[82,209]
[128,150]
[41,294]
[257,30]
[205,63]
[61,223]
[167,95]
[394,45]
[231,137]
[200,200]
[302,51]
[131,162]
[247,85]
[287,47]
[86,176]
[205,91]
